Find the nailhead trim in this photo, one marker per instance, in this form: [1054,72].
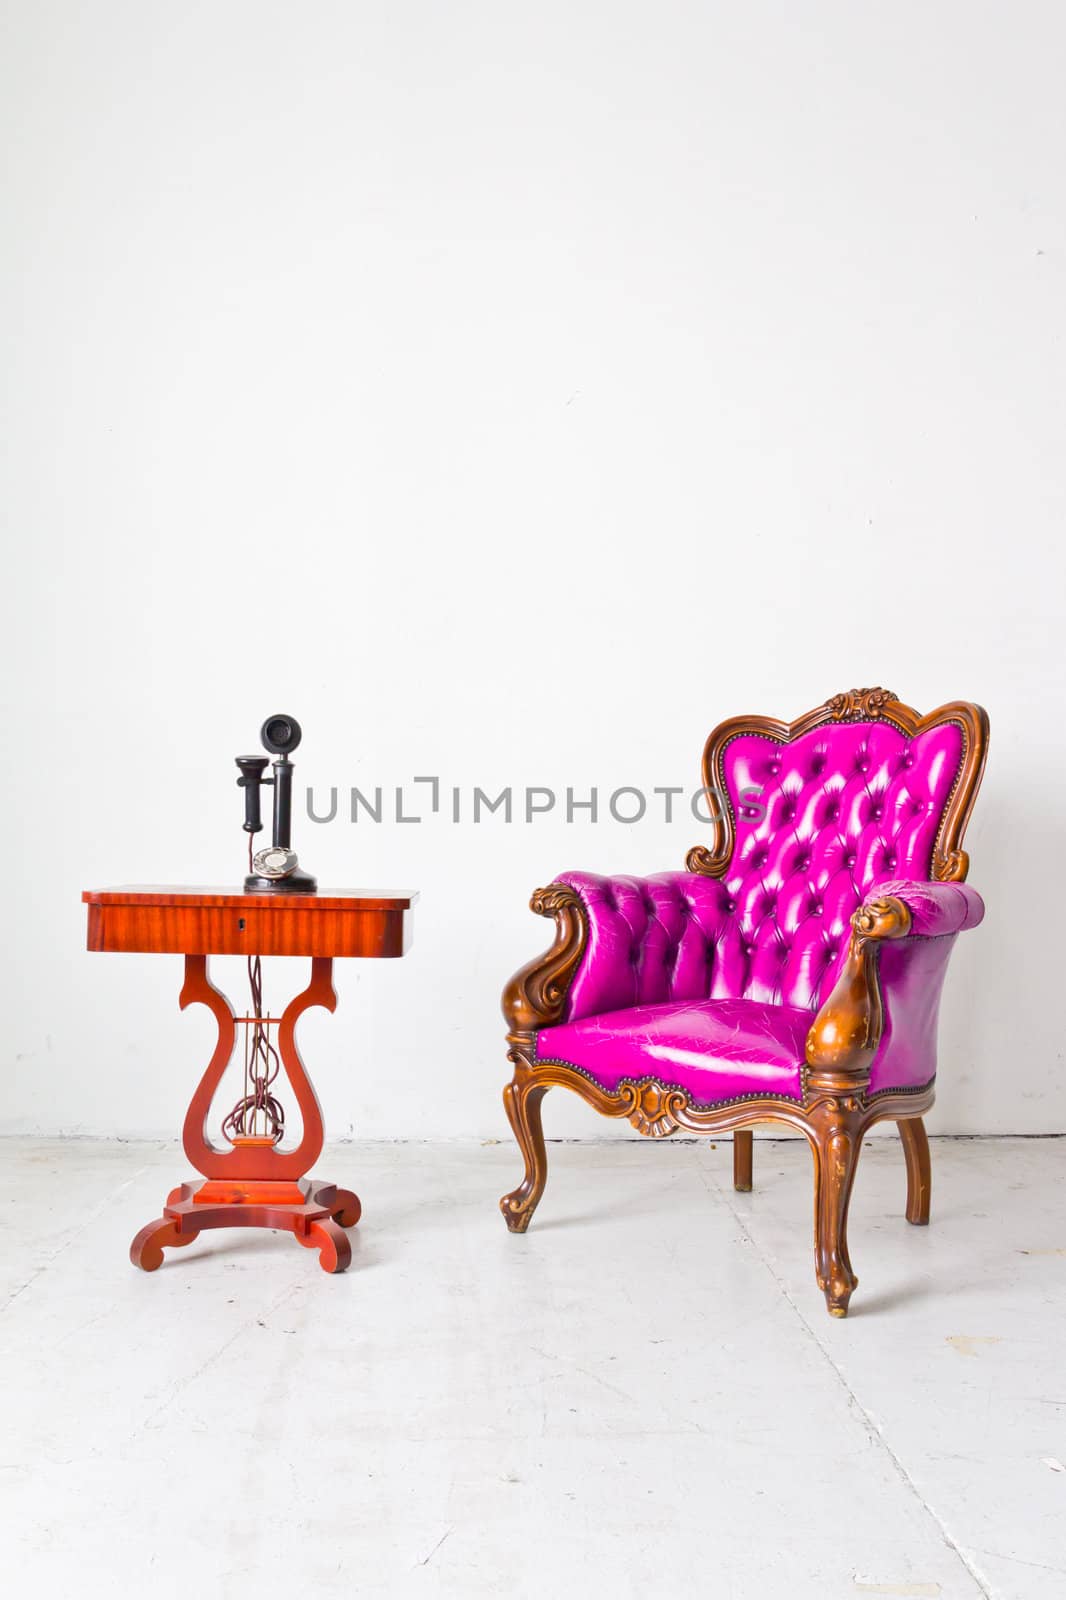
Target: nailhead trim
[922,1088]
[713,1105]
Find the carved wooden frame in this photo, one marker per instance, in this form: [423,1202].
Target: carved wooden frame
[837,1109]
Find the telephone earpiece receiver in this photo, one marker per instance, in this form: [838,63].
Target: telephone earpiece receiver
[275,869]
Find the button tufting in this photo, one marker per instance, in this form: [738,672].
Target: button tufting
[849,859]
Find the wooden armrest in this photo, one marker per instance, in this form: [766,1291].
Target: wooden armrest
[536,996]
[844,1036]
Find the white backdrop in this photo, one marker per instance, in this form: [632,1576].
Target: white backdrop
[511,393]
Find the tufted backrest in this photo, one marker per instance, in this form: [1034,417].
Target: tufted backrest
[819,821]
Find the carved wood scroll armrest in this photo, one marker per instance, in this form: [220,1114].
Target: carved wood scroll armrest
[536,995]
[844,1036]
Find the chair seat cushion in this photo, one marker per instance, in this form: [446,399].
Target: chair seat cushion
[717,1050]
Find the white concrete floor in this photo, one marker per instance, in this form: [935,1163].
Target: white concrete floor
[643,1397]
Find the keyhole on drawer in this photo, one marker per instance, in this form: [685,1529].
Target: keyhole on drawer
[240,923]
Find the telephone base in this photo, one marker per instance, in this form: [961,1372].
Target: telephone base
[297,882]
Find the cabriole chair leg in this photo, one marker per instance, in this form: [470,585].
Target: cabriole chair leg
[742,1160]
[919,1170]
[836,1156]
[522,1103]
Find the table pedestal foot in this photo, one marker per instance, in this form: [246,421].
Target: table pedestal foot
[331,1242]
[146,1251]
[315,1213]
[347,1209]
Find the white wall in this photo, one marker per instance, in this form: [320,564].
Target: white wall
[511,392]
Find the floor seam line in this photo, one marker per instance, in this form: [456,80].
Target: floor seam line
[868,1422]
[72,1238]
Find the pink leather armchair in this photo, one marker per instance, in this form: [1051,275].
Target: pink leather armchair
[792,973]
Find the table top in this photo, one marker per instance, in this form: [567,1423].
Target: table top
[176,894]
[168,919]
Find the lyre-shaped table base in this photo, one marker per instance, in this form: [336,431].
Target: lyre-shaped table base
[254,1184]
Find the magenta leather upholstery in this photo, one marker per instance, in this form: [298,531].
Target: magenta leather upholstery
[936,908]
[650,939]
[912,977]
[718,1050]
[700,981]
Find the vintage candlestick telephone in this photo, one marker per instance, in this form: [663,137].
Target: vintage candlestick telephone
[275,870]
[258,1114]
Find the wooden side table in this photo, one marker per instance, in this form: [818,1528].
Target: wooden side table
[252,1183]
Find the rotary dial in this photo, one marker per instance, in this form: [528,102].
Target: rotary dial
[274,861]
